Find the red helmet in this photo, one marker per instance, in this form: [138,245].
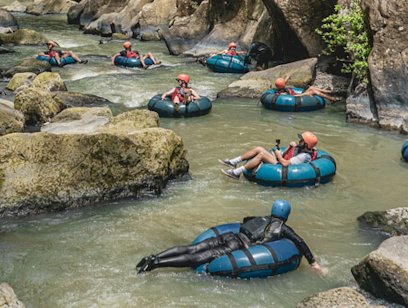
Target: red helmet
[280,83]
[127,44]
[184,77]
[232,44]
[309,138]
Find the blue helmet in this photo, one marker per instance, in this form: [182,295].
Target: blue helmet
[281,209]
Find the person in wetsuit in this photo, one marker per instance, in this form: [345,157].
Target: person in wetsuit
[59,54]
[261,53]
[253,231]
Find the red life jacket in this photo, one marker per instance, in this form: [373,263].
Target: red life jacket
[178,93]
[286,91]
[52,53]
[131,54]
[293,151]
[231,52]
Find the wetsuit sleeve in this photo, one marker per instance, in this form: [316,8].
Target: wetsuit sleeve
[288,233]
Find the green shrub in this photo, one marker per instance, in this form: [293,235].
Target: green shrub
[346,36]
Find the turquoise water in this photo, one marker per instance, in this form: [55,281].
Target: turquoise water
[86,257]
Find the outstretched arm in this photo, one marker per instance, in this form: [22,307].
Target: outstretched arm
[165,94]
[194,94]
[114,57]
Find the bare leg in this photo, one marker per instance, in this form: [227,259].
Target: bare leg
[317,91]
[264,156]
[176,102]
[142,61]
[71,54]
[150,55]
[58,59]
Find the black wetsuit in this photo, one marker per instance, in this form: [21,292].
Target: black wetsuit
[261,53]
[254,230]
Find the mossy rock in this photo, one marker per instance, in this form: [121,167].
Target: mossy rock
[23,37]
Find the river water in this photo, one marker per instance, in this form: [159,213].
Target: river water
[86,257]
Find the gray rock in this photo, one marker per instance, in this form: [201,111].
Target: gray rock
[253,84]
[360,106]
[11,120]
[339,297]
[384,272]
[387,61]
[16,6]
[8,22]
[42,7]
[394,221]
[4,50]
[130,156]
[23,37]
[8,298]
[29,66]
[74,99]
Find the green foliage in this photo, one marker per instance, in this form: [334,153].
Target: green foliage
[346,36]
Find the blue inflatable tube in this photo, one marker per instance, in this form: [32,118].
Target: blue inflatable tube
[227,64]
[131,62]
[319,171]
[258,261]
[404,151]
[271,100]
[165,108]
[64,60]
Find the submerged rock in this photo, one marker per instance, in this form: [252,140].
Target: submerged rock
[384,272]
[394,221]
[42,7]
[29,65]
[50,81]
[11,120]
[340,297]
[127,157]
[20,79]
[23,37]
[8,298]
[253,84]
[8,22]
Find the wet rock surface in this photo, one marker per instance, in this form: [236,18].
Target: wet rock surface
[130,156]
[253,84]
[23,37]
[384,272]
[11,120]
[393,221]
[74,99]
[19,80]
[8,22]
[29,65]
[50,81]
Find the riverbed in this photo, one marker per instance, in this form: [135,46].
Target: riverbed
[86,257]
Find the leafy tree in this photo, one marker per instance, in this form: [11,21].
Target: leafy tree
[346,36]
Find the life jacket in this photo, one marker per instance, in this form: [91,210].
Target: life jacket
[293,151]
[285,91]
[179,92]
[131,54]
[51,53]
[231,52]
[255,228]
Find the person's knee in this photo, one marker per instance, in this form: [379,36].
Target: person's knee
[259,149]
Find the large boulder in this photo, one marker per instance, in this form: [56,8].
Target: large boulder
[360,106]
[8,298]
[75,99]
[384,272]
[8,23]
[37,105]
[50,81]
[388,59]
[394,221]
[130,156]
[11,120]
[29,66]
[23,37]
[253,84]
[16,6]
[20,79]
[340,297]
[41,7]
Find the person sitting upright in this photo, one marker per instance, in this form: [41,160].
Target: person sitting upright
[261,53]
[129,53]
[253,231]
[182,94]
[59,54]
[295,154]
[231,51]
[281,87]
